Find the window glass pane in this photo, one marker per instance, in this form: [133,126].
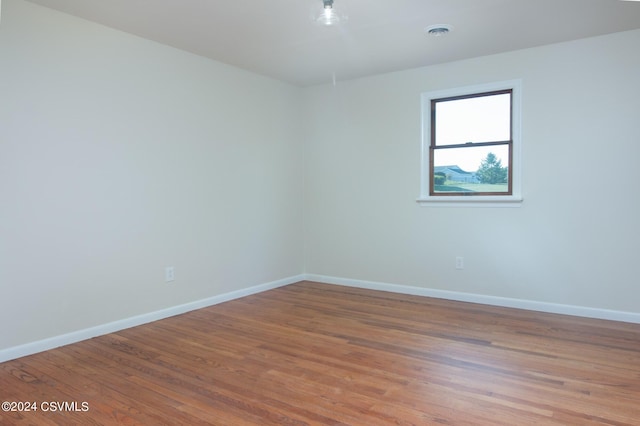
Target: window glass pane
[472,169]
[479,119]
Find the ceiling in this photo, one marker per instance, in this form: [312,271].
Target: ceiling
[277,38]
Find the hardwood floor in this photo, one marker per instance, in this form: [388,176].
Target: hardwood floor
[318,354]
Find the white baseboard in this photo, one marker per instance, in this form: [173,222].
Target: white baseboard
[578,311]
[77,336]
[88,333]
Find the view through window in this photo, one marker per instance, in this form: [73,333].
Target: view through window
[471,144]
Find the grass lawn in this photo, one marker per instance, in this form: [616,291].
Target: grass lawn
[471,187]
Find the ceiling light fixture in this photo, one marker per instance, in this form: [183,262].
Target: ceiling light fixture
[329,15]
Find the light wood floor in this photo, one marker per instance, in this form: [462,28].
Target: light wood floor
[311,353]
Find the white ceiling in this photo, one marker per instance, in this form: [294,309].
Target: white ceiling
[277,37]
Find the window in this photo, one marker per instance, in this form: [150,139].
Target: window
[471,145]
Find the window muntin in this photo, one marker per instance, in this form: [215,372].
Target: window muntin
[471,144]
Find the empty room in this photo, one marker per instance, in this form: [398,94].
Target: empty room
[319,212]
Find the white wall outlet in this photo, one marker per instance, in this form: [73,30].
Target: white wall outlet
[459,262]
[169,274]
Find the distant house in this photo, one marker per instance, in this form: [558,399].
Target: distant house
[456,174]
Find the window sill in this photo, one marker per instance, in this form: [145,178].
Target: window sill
[470,201]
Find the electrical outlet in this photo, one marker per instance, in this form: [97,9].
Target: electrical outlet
[459,262]
[169,274]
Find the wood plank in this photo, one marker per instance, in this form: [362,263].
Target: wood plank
[315,354]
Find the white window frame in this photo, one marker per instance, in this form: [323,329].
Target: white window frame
[513,200]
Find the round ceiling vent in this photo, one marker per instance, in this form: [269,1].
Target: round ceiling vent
[438,30]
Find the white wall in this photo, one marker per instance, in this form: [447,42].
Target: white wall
[573,241]
[120,156]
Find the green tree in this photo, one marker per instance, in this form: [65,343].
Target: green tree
[491,170]
[439,178]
